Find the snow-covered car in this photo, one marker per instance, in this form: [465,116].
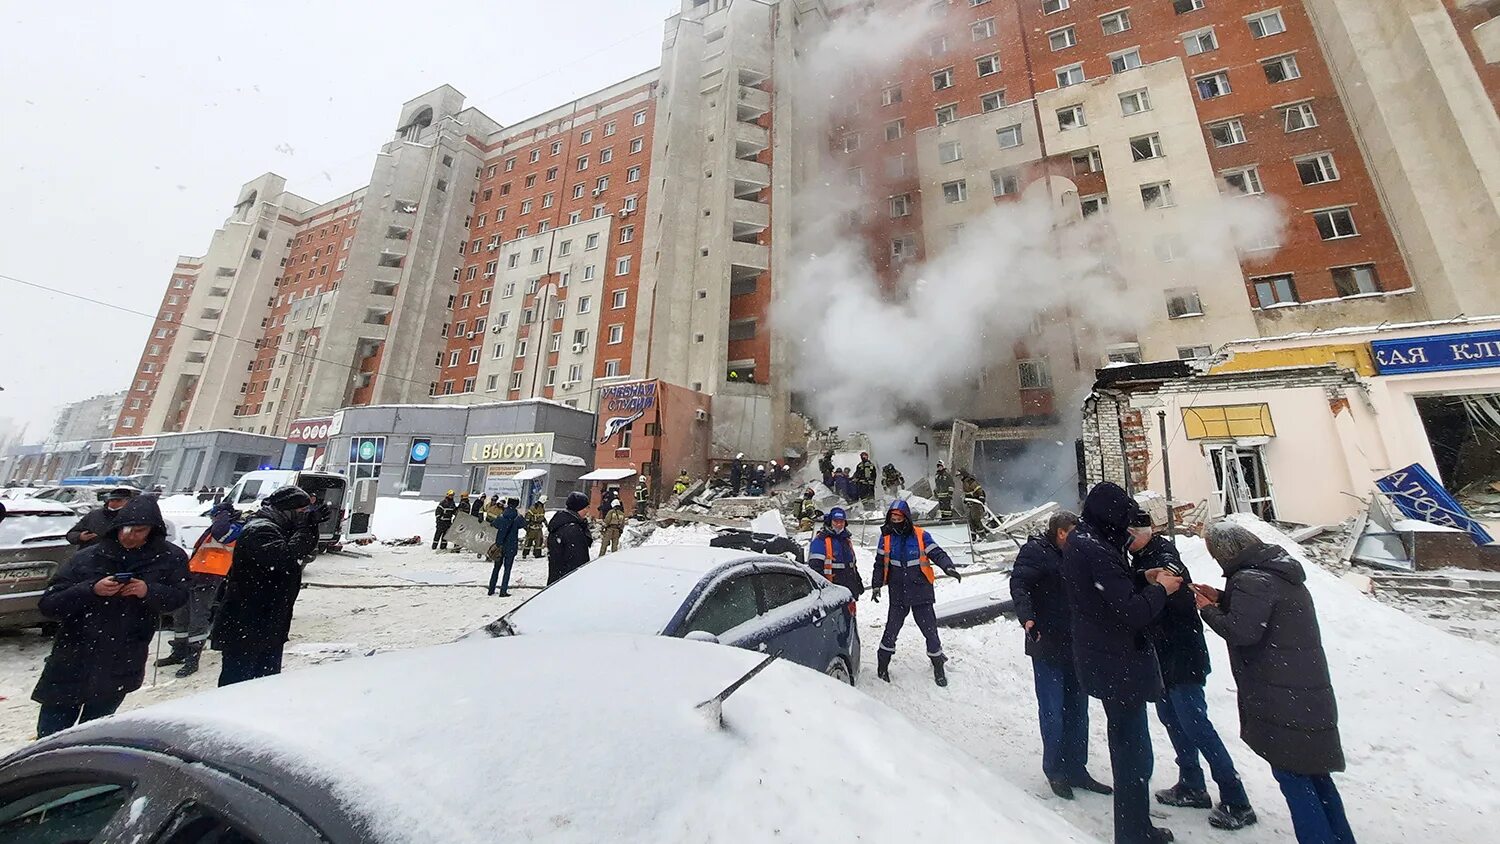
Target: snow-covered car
[33,543]
[532,738]
[81,498]
[752,601]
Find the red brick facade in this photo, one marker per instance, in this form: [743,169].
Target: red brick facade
[158,346]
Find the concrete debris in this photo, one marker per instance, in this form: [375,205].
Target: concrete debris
[975,610]
[921,508]
[769,522]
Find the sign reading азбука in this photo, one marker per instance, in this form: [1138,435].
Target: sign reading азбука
[509,448]
[1474,350]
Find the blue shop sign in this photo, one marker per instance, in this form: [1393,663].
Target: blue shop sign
[1474,350]
[1418,495]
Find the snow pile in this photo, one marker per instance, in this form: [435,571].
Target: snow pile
[398,518]
[611,749]
[681,535]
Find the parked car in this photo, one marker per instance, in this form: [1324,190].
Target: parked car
[533,738]
[81,498]
[750,601]
[33,544]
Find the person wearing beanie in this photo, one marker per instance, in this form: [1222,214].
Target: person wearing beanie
[97,521]
[568,538]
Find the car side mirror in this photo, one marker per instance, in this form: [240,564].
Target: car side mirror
[702,636]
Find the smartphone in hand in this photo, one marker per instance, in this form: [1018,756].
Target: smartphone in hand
[122,577]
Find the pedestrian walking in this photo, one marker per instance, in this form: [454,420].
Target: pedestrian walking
[614,527]
[1183,710]
[264,580]
[443,521]
[210,561]
[831,553]
[507,539]
[942,488]
[1288,713]
[1112,653]
[568,538]
[864,477]
[536,518]
[1041,602]
[106,601]
[904,561]
[96,522]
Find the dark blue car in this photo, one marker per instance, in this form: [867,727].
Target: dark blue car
[752,601]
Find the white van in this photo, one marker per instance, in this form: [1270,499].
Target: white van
[252,487]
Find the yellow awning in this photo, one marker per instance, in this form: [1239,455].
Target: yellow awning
[1227,421]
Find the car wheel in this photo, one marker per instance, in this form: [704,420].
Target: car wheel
[839,670]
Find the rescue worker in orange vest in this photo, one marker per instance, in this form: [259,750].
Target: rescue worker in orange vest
[207,568]
[904,561]
[831,553]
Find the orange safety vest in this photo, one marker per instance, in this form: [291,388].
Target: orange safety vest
[885,548]
[212,557]
[828,559]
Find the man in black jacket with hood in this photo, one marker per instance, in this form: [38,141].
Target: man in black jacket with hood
[568,538]
[255,619]
[96,522]
[107,601]
[1112,652]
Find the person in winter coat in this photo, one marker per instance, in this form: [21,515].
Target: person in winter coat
[892,479]
[737,474]
[1041,601]
[805,511]
[614,527]
[536,518]
[476,508]
[507,537]
[642,497]
[1183,655]
[1288,714]
[843,486]
[904,560]
[942,489]
[443,520]
[255,619]
[1112,610]
[96,522]
[106,601]
[864,477]
[974,504]
[831,553]
[825,468]
[756,485]
[209,563]
[568,538]
[493,509]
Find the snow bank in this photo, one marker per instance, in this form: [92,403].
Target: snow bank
[399,518]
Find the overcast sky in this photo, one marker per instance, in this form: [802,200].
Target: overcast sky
[128,129]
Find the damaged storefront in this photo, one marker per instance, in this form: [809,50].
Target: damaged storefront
[649,429]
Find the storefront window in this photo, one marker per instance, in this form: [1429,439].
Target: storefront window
[366,454]
[416,464]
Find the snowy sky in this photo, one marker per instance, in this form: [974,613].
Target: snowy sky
[129,129]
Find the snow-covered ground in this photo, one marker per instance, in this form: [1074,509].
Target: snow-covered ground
[1419,705]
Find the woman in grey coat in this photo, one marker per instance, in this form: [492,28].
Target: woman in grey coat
[1288,714]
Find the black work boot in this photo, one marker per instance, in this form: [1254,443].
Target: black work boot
[177,656]
[1188,798]
[190,661]
[883,665]
[939,676]
[1226,816]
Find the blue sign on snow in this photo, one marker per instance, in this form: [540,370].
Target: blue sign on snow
[1418,495]
[1473,350]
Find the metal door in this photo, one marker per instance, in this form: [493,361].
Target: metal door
[1243,485]
[362,507]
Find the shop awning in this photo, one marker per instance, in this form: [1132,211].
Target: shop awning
[529,474]
[608,475]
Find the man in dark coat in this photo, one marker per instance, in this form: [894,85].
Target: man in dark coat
[107,601]
[255,619]
[825,468]
[568,538]
[904,560]
[1041,601]
[1288,714]
[737,474]
[831,553]
[942,489]
[443,520]
[1112,652]
[476,508]
[508,537]
[96,522]
[1183,709]
[864,477]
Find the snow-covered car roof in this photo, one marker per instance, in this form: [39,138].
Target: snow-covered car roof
[638,590]
[588,739]
[37,507]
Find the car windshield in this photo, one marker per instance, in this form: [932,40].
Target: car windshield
[607,596]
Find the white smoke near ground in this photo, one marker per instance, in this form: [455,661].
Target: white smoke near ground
[889,361]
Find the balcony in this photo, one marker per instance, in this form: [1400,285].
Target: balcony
[750,140]
[210,314]
[751,105]
[383,288]
[750,219]
[219,292]
[749,178]
[748,259]
[752,77]
[377,316]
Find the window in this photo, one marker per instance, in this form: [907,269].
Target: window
[583,163]
[901,205]
[1281,69]
[1070,75]
[587,137]
[521,347]
[903,247]
[1145,147]
[1245,181]
[947,114]
[1135,102]
[585,304]
[1062,39]
[727,607]
[591,241]
[536,155]
[1356,280]
[1125,60]
[491,383]
[1200,41]
[556,342]
[980,30]
[955,191]
[601,185]
[1123,353]
[1182,7]
[851,142]
[987,65]
[950,151]
[942,80]
[622,266]
[453,358]
[1157,195]
[1115,23]
[513,260]
[484,296]
[1317,169]
[1266,24]
[474,355]
[1335,223]
[1009,137]
[937,46]
[993,101]
[618,299]
[498,352]
[1274,290]
[1087,161]
[636,145]
[546,200]
[1005,183]
[627,234]
[616,334]
[1070,118]
[639,119]
[1183,302]
[588,273]
[1050,7]
[633,174]
[557,147]
[1227,133]
[515,380]
[1033,374]
[1213,85]
[78,811]
[575,374]
[525,207]
[895,129]
[611,368]
[1299,117]
[609,128]
[1194,352]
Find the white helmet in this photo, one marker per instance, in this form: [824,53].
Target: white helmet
[541,499]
